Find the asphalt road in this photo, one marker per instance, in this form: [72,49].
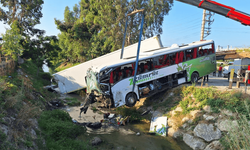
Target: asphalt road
[222,84]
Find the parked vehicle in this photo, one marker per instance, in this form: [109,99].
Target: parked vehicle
[237,64]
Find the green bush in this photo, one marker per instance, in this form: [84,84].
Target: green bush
[134,114]
[59,131]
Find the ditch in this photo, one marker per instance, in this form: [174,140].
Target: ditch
[127,137]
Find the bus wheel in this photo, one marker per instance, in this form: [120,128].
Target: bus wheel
[194,77]
[131,99]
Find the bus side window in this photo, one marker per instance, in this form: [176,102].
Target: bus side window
[142,70]
[189,54]
[181,56]
[205,51]
[201,52]
[111,79]
[195,53]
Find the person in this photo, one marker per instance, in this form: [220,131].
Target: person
[220,71]
[205,77]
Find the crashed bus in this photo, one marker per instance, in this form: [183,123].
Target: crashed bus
[73,79]
[158,69]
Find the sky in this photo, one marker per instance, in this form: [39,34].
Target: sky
[181,26]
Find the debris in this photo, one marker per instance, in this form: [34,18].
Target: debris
[84,109]
[96,141]
[121,120]
[56,103]
[158,125]
[111,116]
[106,115]
[74,121]
[95,125]
[145,112]
[50,88]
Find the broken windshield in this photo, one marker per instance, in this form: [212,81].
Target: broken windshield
[92,82]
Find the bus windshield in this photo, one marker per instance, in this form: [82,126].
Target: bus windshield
[92,83]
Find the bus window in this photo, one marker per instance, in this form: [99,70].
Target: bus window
[181,56]
[206,50]
[189,54]
[195,53]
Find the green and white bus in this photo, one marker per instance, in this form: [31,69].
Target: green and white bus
[158,69]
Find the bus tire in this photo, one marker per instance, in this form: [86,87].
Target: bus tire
[130,99]
[194,77]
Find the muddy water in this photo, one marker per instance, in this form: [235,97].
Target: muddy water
[124,137]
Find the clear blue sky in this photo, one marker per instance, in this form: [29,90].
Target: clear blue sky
[181,25]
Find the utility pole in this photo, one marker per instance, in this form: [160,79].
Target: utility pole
[205,31]
[206,20]
[203,24]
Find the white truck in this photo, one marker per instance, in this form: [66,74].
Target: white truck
[238,64]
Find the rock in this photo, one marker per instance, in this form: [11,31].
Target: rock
[138,133]
[96,141]
[177,109]
[193,142]
[215,145]
[5,129]
[226,125]
[126,131]
[33,133]
[20,72]
[20,60]
[185,119]
[207,132]
[195,113]
[171,122]
[156,113]
[7,120]
[190,121]
[208,117]
[174,133]
[184,125]
[227,112]
[207,109]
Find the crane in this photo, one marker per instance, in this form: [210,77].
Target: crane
[221,9]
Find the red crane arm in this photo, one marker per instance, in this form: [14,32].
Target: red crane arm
[221,9]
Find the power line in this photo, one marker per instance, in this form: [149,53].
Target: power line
[181,24]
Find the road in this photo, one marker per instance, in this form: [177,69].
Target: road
[222,84]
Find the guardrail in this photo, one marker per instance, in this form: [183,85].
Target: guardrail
[7,65]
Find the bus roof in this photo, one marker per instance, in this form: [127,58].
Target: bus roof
[148,54]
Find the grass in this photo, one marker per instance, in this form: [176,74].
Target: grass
[59,131]
[72,101]
[238,137]
[94,109]
[135,115]
[65,66]
[23,94]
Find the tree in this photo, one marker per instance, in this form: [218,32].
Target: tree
[26,12]
[95,28]
[11,45]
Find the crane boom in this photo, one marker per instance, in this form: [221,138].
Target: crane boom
[221,9]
